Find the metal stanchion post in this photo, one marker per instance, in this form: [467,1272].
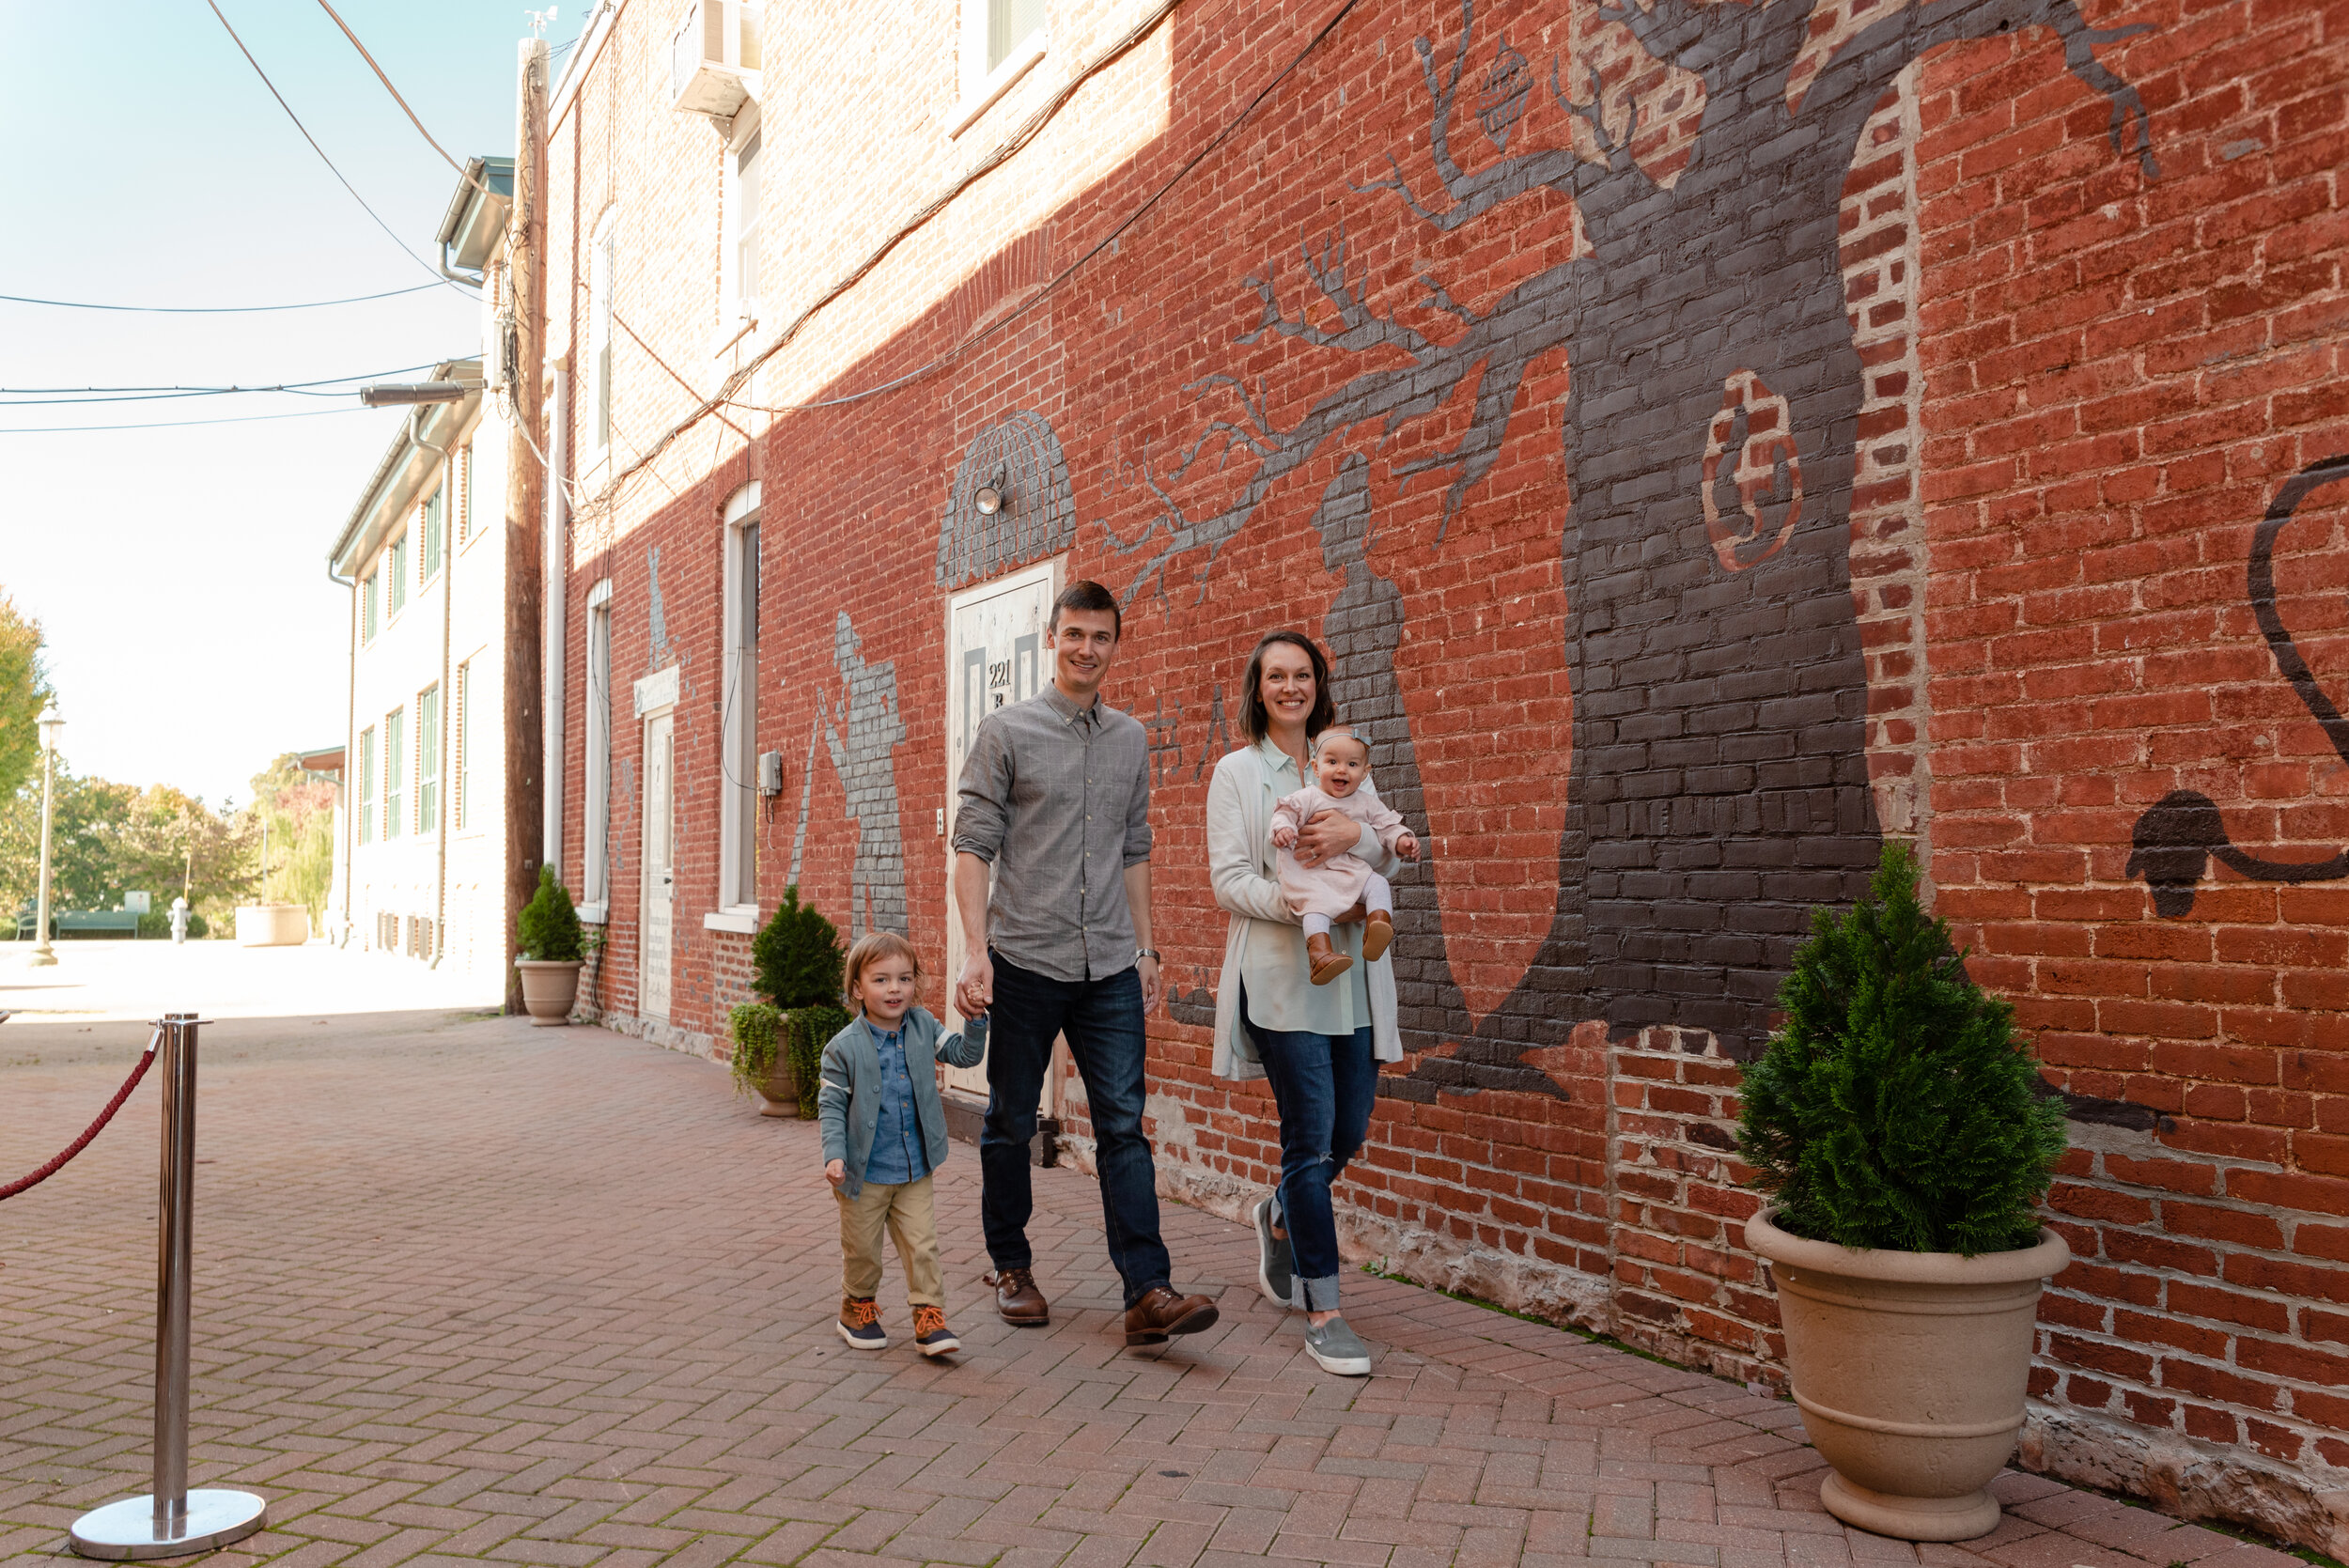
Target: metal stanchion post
[172,1521]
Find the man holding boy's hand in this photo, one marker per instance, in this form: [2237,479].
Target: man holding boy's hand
[1055,798]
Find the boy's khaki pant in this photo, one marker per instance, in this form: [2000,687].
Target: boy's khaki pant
[907,1210]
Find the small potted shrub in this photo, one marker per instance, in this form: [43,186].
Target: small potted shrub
[778,1043]
[553,947]
[1903,1137]
[758,1063]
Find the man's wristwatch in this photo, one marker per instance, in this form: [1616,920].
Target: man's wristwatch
[1149,953]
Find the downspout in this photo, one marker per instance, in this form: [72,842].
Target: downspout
[554,692]
[351,743]
[448,595]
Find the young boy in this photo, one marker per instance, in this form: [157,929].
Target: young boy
[1341,762]
[884,1133]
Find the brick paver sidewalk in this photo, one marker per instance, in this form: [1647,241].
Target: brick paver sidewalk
[469,1290]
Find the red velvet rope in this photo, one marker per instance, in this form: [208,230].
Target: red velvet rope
[146,1059]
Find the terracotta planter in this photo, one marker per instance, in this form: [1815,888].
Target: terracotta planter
[1909,1368]
[779,1091]
[550,986]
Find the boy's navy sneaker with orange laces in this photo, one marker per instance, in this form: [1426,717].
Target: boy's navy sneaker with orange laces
[931,1336]
[860,1323]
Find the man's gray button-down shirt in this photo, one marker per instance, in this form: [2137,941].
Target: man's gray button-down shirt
[1057,799]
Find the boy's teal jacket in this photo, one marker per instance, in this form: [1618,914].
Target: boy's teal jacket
[847,1105]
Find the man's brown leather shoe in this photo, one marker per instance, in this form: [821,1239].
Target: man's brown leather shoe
[1161,1313]
[1017,1299]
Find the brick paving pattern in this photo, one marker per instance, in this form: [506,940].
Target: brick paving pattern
[470,1290]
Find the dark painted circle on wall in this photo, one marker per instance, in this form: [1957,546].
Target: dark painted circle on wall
[1021,458]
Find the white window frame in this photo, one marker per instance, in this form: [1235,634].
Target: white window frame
[981,86]
[596,807]
[737,730]
[396,774]
[396,568]
[603,266]
[366,786]
[737,311]
[430,759]
[458,764]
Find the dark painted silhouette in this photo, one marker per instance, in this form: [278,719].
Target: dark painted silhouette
[2182,832]
[1718,787]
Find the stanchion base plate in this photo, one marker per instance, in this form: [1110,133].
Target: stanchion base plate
[125,1531]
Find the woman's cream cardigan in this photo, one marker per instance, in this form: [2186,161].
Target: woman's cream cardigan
[1239,868]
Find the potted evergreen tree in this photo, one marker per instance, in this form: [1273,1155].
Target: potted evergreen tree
[553,946]
[778,1043]
[1902,1134]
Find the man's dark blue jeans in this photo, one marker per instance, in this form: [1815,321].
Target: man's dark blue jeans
[1102,1019]
[1323,1086]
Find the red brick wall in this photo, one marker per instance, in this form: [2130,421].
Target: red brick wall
[2078,389]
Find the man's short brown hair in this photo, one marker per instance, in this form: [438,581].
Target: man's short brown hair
[1086,595]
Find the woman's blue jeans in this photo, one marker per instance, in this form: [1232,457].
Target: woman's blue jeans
[1323,1085]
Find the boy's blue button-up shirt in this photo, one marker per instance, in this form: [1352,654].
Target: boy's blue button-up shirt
[898,1154]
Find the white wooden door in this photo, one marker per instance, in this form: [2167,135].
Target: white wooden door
[660,892]
[997,654]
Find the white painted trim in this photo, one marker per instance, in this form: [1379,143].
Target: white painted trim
[981,96]
[657,691]
[601,595]
[594,914]
[744,919]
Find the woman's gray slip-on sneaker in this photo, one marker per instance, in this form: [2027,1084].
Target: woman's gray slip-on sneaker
[1333,1345]
[1275,1264]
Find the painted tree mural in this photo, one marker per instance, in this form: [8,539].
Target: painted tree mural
[1718,786]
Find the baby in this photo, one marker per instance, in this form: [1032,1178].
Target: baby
[1341,762]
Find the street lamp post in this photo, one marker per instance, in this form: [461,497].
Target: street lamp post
[51,722]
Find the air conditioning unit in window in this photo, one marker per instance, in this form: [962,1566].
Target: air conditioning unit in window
[714,58]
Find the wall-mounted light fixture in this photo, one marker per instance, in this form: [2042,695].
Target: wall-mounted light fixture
[989,500]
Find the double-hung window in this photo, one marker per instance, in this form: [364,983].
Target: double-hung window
[433,523]
[743,208]
[737,817]
[428,759]
[1001,39]
[394,770]
[371,617]
[602,275]
[367,784]
[463,804]
[395,566]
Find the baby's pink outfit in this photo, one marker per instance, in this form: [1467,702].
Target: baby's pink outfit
[1336,885]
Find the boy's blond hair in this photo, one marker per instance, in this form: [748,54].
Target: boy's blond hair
[871,948]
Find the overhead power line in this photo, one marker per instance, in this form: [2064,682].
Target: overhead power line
[320,150]
[43,396]
[221,310]
[395,98]
[172,424]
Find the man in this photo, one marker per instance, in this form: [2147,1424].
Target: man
[1055,797]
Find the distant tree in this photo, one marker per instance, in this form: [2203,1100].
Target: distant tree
[171,845]
[299,811]
[23,692]
[85,873]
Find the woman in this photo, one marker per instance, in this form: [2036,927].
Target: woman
[1320,1046]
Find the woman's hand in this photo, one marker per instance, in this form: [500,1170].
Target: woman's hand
[836,1171]
[1325,838]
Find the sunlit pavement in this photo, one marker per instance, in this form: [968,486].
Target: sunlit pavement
[107,981]
[468,1290]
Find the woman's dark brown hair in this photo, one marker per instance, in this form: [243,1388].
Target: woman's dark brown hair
[1253,719]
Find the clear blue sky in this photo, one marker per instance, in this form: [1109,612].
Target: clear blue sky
[179,574]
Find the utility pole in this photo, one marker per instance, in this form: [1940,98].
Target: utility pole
[525,276]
